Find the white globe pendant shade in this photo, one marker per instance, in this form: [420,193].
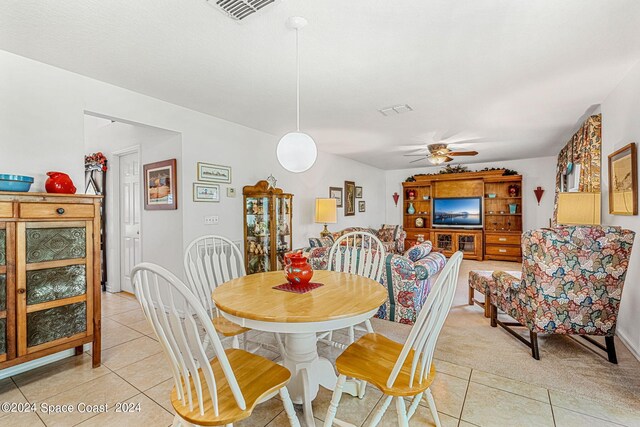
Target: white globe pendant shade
[297,152]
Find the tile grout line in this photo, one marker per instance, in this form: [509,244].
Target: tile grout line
[25,398]
[553,415]
[465,398]
[370,412]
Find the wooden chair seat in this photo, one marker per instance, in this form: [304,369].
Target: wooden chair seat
[372,357]
[257,377]
[227,328]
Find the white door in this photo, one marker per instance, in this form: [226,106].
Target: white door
[130,205]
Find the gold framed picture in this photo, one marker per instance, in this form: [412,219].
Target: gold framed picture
[349,198]
[160,189]
[623,181]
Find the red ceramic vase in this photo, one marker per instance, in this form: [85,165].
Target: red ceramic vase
[59,182]
[297,270]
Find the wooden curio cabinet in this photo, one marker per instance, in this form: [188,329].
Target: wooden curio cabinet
[267,227]
[49,275]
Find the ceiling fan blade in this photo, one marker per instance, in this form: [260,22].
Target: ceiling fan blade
[463,153]
[417,160]
[448,159]
[415,155]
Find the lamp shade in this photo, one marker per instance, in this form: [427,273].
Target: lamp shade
[296,152]
[578,209]
[326,211]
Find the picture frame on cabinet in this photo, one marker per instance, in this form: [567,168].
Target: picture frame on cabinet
[160,186]
[208,172]
[336,193]
[623,181]
[361,206]
[358,192]
[349,198]
[204,192]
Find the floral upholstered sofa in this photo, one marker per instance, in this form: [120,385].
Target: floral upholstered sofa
[408,282]
[391,236]
[572,280]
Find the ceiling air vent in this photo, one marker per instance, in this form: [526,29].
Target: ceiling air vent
[395,110]
[239,9]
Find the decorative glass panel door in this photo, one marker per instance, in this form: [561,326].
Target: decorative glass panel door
[258,246]
[283,227]
[53,283]
[467,243]
[3,292]
[444,242]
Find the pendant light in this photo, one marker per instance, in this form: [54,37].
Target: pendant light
[297,151]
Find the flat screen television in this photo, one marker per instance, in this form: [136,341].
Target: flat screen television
[458,212]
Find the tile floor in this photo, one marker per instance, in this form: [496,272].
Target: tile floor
[135,372]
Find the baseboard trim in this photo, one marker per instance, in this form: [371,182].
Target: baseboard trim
[627,343]
[27,366]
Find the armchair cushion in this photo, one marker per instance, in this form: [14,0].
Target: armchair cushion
[419,251]
[321,242]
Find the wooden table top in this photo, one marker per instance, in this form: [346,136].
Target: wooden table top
[343,295]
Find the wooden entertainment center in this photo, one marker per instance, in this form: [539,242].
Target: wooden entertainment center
[499,237]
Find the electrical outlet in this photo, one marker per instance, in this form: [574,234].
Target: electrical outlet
[211,220]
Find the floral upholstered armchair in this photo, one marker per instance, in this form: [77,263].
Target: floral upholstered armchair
[408,282]
[572,280]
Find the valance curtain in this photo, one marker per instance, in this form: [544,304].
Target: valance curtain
[584,148]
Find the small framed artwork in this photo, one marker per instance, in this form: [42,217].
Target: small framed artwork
[206,192]
[349,198]
[358,192]
[214,173]
[160,189]
[623,181]
[336,193]
[361,206]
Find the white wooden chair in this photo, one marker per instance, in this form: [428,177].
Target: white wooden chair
[209,261]
[360,253]
[219,391]
[401,370]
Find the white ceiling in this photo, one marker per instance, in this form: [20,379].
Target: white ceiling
[516,74]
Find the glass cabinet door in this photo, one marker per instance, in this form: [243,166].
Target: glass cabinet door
[444,242]
[467,243]
[258,242]
[52,288]
[3,291]
[283,228]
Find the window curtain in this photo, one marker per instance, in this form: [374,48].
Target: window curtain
[584,147]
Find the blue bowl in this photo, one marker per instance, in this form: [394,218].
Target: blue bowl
[15,183]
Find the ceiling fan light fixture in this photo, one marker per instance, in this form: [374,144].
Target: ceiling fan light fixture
[437,160]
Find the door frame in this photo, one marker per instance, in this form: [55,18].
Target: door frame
[116,286]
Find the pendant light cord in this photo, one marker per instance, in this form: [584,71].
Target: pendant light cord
[297,81]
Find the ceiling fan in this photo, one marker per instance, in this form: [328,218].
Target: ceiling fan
[440,153]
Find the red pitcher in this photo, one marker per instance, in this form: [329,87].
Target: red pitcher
[297,270]
[59,182]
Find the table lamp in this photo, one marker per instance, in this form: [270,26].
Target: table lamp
[326,213]
[578,209]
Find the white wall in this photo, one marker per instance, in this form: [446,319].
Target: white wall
[41,129]
[535,172]
[620,126]
[158,242]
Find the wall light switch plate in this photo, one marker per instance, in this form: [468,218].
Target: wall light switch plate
[231,192]
[211,220]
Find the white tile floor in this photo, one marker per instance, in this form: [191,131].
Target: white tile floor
[134,371]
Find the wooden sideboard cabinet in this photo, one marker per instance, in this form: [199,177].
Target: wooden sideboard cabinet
[49,275]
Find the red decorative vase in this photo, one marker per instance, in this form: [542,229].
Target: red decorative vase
[59,182]
[297,270]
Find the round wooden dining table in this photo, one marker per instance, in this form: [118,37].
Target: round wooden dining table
[343,300]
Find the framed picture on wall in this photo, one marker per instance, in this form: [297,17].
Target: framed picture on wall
[349,198]
[623,181]
[206,192]
[358,192]
[336,193]
[160,186]
[214,173]
[361,206]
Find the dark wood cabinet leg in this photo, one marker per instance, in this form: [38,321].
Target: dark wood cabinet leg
[487,305]
[535,352]
[611,349]
[471,295]
[79,350]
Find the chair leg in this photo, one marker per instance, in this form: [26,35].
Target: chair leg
[611,349]
[369,326]
[471,295]
[179,422]
[402,412]
[487,304]
[432,407]
[235,343]
[288,407]
[493,311]
[414,405]
[362,387]
[335,401]
[535,352]
[352,337]
[380,412]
